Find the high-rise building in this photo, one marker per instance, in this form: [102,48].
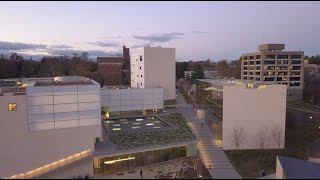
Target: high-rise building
[273,64]
[115,71]
[153,67]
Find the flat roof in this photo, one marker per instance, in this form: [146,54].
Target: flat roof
[228,82]
[299,169]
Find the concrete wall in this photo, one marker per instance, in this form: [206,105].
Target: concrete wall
[137,67]
[253,110]
[22,151]
[279,170]
[160,70]
[132,99]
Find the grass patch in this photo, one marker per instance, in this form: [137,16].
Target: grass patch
[249,163]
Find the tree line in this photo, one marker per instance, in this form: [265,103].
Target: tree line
[15,66]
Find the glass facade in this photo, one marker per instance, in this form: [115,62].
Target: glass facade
[127,162]
[210,96]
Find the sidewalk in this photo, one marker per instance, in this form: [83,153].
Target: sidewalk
[210,149]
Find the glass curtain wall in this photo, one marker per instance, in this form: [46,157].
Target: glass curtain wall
[127,162]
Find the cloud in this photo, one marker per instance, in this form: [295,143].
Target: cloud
[199,32]
[105,44]
[60,52]
[61,46]
[16,46]
[141,45]
[165,37]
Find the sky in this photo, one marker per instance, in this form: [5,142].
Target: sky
[198,30]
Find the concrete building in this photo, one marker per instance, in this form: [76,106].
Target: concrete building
[311,70]
[154,67]
[123,100]
[272,64]
[253,106]
[115,71]
[48,124]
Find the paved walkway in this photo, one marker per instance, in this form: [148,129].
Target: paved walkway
[210,149]
[270,176]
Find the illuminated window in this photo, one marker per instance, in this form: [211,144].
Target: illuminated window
[12,107]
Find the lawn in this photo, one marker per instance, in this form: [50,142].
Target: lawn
[249,163]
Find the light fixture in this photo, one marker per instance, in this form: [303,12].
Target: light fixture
[150,124]
[135,123]
[116,129]
[135,127]
[139,119]
[116,125]
[119,160]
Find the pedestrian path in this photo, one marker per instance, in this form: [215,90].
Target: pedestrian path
[210,150]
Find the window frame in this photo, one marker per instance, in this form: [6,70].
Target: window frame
[16,108]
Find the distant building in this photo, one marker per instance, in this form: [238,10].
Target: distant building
[115,71]
[272,64]
[188,74]
[249,105]
[210,74]
[154,67]
[310,70]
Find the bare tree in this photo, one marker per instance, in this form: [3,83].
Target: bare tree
[278,136]
[263,139]
[238,137]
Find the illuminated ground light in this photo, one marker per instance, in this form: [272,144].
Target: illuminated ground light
[126,122]
[135,127]
[150,117]
[139,119]
[150,124]
[119,160]
[108,122]
[116,125]
[123,120]
[157,122]
[135,123]
[156,127]
[116,129]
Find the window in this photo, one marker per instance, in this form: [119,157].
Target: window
[141,75]
[140,58]
[12,107]
[251,62]
[258,67]
[140,67]
[295,56]
[296,62]
[283,56]
[258,57]
[258,62]
[245,63]
[245,57]
[270,56]
[137,75]
[251,57]
[141,84]
[269,62]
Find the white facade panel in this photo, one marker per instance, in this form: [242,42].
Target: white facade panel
[125,97]
[136,107]
[41,109]
[136,96]
[125,91]
[125,108]
[39,100]
[158,106]
[89,89]
[39,91]
[158,95]
[158,101]
[147,91]
[137,102]
[104,92]
[66,124]
[125,103]
[137,91]
[58,108]
[89,106]
[89,114]
[40,118]
[147,101]
[65,99]
[88,97]
[41,126]
[61,90]
[114,92]
[90,122]
[148,106]
[114,108]
[114,97]
[66,116]
[114,103]
[147,96]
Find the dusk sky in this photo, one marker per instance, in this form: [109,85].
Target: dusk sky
[198,30]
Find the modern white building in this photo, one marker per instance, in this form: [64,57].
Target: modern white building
[116,100]
[210,74]
[48,124]
[154,67]
[188,73]
[256,108]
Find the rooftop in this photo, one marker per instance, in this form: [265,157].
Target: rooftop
[176,131]
[234,82]
[299,169]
